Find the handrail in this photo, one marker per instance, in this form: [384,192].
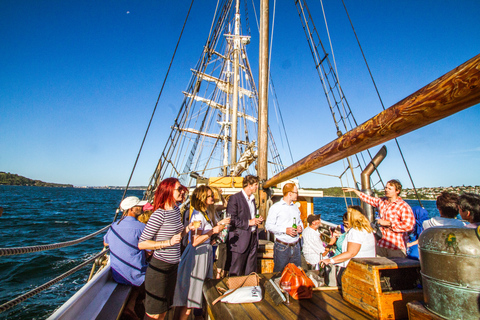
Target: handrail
[31,293]
[22,250]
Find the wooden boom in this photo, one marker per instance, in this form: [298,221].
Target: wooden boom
[455,91]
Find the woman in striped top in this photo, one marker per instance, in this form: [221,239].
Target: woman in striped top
[163,234]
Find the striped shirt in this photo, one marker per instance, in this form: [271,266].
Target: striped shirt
[400,214]
[163,225]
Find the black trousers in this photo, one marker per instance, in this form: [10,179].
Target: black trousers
[246,262]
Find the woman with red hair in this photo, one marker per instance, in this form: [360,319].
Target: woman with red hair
[163,234]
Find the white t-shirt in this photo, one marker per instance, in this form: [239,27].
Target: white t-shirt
[312,245]
[204,225]
[441,221]
[365,239]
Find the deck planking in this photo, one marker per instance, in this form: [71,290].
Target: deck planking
[327,304]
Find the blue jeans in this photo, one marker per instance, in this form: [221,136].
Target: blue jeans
[283,255]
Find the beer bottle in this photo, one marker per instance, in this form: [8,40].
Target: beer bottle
[294,226]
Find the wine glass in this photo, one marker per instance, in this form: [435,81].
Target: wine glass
[227,216]
[196,225]
[286,287]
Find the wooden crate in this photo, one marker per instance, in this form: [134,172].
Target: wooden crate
[382,287]
[265,249]
[265,265]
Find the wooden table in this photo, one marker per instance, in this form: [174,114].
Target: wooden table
[327,304]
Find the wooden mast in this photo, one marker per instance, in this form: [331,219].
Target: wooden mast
[455,91]
[263,104]
[236,52]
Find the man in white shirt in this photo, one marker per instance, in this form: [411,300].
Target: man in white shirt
[447,205]
[282,216]
[312,244]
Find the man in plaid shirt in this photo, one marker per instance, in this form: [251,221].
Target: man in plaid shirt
[396,219]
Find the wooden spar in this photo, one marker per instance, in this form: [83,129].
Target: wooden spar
[263,104]
[455,91]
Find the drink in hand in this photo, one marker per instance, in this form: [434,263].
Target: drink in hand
[196,225]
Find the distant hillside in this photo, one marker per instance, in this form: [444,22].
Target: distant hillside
[331,192]
[10,179]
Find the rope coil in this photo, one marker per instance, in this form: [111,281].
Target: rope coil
[22,250]
[10,304]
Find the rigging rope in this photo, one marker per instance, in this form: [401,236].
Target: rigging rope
[156,105]
[10,304]
[381,102]
[22,250]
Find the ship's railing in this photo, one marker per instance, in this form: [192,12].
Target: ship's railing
[31,293]
[22,250]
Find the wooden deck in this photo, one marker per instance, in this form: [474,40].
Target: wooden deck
[327,304]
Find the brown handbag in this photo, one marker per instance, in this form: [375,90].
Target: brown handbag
[242,281]
[301,285]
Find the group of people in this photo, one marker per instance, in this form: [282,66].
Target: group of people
[173,277]
[400,227]
[149,256]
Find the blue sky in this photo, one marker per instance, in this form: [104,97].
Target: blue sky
[79,80]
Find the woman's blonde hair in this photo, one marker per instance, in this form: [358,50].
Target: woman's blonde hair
[357,220]
[199,198]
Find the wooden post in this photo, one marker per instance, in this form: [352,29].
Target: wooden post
[455,91]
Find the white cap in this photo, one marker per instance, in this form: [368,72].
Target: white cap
[130,202]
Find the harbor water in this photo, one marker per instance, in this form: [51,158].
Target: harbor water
[39,216]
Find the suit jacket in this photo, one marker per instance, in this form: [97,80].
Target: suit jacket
[240,231]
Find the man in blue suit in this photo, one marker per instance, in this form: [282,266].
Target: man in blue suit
[243,235]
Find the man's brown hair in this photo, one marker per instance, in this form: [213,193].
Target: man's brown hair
[396,184]
[249,180]
[447,204]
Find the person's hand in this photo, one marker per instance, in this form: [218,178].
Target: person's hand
[384,223]
[218,228]
[299,229]
[258,220]
[291,232]
[326,262]
[176,239]
[337,233]
[224,221]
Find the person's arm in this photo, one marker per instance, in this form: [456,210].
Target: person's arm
[364,197]
[197,240]
[300,223]
[233,207]
[352,250]
[146,242]
[156,245]
[411,244]
[271,223]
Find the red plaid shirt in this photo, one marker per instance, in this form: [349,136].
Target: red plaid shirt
[402,218]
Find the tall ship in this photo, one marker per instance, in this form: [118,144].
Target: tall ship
[230,124]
